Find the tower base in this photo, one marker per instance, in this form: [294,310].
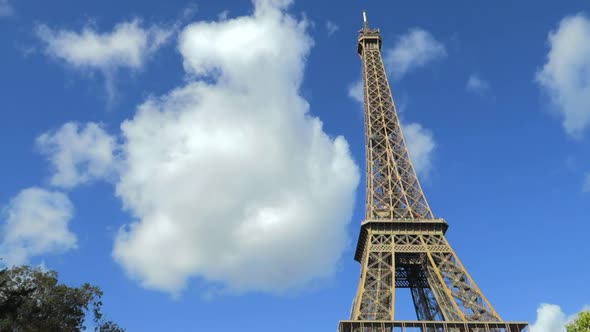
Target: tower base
[427,326]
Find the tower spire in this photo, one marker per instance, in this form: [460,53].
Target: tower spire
[401,244]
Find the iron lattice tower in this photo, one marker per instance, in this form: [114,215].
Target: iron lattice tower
[401,244]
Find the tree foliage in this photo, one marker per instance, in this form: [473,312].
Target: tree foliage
[32,300]
[580,324]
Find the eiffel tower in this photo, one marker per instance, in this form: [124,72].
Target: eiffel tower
[401,244]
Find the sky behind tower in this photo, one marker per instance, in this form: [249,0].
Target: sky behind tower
[203,162]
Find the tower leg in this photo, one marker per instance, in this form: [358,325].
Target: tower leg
[375,297]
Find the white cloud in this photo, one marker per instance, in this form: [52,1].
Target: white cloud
[79,155]
[128,45]
[477,85]
[413,50]
[551,318]
[355,91]
[565,77]
[421,146]
[5,8]
[36,223]
[331,27]
[586,184]
[230,178]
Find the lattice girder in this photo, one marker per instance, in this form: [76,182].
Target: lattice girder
[401,244]
[397,257]
[393,189]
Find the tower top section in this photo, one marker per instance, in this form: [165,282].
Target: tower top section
[368,35]
[394,193]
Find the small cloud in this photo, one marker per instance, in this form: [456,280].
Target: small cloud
[571,163]
[355,91]
[477,85]
[551,318]
[5,8]
[42,266]
[412,50]
[421,146]
[78,154]
[223,15]
[36,223]
[565,77]
[189,12]
[331,27]
[128,45]
[586,183]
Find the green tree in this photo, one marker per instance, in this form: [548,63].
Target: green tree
[580,324]
[32,300]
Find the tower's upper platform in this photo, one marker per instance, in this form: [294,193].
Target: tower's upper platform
[368,35]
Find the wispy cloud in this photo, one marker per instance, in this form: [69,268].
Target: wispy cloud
[5,8]
[421,146]
[128,45]
[189,11]
[355,91]
[586,183]
[477,85]
[412,50]
[331,27]
[565,77]
[223,15]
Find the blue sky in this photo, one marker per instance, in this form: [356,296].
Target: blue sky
[202,162]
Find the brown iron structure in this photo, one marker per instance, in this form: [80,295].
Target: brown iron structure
[401,244]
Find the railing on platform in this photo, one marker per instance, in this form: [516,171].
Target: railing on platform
[428,326]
